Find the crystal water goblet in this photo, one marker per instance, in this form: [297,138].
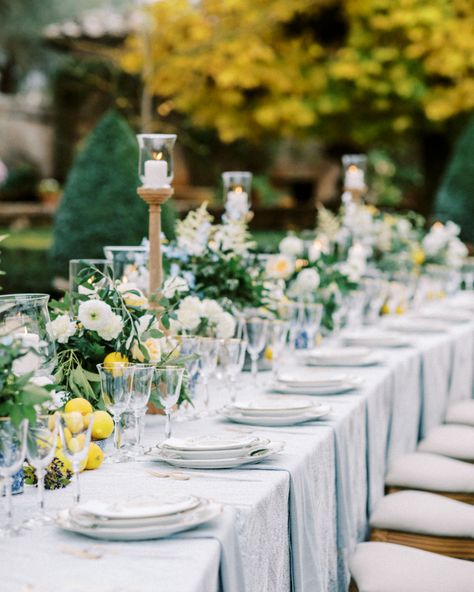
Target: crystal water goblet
[140,395]
[189,357]
[168,385]
[232,358]
[12,455]
[312,314]
[41,445]
[278,335]
[208,352]
[256,332]
[116,383]
[75,431]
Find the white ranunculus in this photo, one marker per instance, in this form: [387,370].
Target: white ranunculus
[279,266]
[94,314]
[211,309]
[61,328]
[292,246]
[225,326]
[112,329]
[175,285]
[308,280]
[189,313]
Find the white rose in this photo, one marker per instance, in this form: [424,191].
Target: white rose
[112,329]
[174,285]
[279,266]
[94,314]
[292,246]
[211,309]
[225,326]
[61,328]
[308,280]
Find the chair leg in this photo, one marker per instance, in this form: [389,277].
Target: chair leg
[458,548]
[353,587]
[466,498]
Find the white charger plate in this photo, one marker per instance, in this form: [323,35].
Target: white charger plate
[138,507]
[272,421]
[310,379]
[258,444]
[220,463]
[444,315]
[204,513]
[273,405]
[316,391]
[376,340]
[416,327]
[209,442]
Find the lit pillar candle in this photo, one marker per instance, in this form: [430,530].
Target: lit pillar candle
[156,173]
[237,204]
[354,179]
[30,361]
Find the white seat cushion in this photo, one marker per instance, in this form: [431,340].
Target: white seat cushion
[421,470]
[456,441]
[424,513]
[383,567]
[461,412]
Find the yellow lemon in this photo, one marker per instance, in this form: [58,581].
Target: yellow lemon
[59,444]
[67,463]
[76,443]
[385,309]
[268,353]
[418,256]
[52,421]
[401,309]
[114,358]
[74,421]
[78,404]
[94,457]
[87,419]
[103,425]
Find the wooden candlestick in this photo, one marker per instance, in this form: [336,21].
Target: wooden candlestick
[155,197]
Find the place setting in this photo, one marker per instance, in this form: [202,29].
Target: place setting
[314,382]
[376,339]
[339,357]
[138,519]
[214,451]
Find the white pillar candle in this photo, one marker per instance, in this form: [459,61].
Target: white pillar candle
[237,204]
[156,173]
[31,361]
[354,180]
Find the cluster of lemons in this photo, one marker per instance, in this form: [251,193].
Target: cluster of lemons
[79,414]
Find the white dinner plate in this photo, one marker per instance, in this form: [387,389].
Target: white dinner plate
[271,421]
[340,356]
[219,463]
[204,513]
[273,405]
[309,379]
[448,316]
[376,340]
[345,387]
[209,442]
[416,327]
[245,451]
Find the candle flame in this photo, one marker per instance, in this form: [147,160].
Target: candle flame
[157,155]
[438,225]
[353,168]
[238,189]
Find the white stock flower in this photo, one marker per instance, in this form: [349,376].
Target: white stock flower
[193,232]
[233,237]
[174,285]
[292,246]
[211,309]
[279,266]
[307,281]
[225,326]
[112,329]
[61,328]
[94,314]
[189,313]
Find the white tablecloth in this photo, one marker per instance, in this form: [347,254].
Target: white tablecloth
[292,521]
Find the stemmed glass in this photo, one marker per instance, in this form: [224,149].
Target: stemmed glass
[208,351]
[232,359]
[189,353]
[140,395]
[168,385]
[277,340]
[40,449]
[292,313]
[311,320]
[75,431]
[12,455]
[116,381]
[256,330]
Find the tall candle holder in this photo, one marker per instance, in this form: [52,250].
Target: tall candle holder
[156,174]
[354,175]
[237,188]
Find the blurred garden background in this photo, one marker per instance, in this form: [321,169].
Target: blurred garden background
[281,88]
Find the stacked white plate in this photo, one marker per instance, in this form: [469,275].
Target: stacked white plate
[340,356]
[376,339]
[275,410]
[416,326]
[138,519]
[314,382]
[449,316]
[215,451]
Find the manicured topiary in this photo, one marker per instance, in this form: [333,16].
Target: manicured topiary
[100,205]
[455,198]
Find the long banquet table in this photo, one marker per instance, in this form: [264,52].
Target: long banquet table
[289,522]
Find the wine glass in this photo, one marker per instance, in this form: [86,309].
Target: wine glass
[189,356]
[40,449]
[116,381]
[140,395]
[208,351]
[256,330]
[278,335]
[311,320]
[232,359]
[12,455]
[168,385]
[292,313]
[75,431]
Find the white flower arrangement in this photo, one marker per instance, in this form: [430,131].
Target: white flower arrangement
[62,328]
[279,267]
[292,246]
[443,246]
[203,317]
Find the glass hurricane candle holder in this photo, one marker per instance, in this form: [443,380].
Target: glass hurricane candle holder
[355,166]
[155,166]
[130,265]
[237,188]
[85,274]
[26,317]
